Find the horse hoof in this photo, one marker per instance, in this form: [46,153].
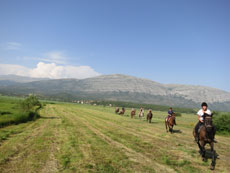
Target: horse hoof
[212,167]
[203,159]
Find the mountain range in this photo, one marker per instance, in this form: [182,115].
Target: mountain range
[117,87]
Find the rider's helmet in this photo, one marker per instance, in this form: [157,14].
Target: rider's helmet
[204,104]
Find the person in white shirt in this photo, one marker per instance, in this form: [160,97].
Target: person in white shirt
[204,111]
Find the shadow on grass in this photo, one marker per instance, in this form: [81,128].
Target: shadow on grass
[49,117]
[209,154]
[4,112]
[177,131]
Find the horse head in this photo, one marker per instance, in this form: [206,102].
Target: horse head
[208,122]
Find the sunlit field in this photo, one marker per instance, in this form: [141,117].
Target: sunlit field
[85,138]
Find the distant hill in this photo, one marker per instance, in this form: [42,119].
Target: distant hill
[119,87]
[18,79]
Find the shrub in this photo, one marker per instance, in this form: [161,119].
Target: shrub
[31,103]
[20,112]
[178,114]
[222,123]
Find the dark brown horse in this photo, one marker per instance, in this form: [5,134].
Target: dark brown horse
[206,136]
[122,112]
[133,113]
[149,116]
[170,122]
[117,110]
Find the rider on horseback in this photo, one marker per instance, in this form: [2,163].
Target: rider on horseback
[170,112]
[201,116]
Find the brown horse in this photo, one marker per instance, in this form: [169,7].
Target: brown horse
[133,113]
[169,123]
[149,116]
[122,112]
[117,110]
[206,136]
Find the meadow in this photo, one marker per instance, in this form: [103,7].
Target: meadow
[85,138]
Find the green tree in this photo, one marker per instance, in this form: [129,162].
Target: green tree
[31,103]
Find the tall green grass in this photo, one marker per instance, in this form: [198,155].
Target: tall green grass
[12,111]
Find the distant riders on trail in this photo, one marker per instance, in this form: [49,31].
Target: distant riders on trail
[170,113]
[133,113]
[149,116]
[122,111]
[117,110]
[170,121]
[141,113]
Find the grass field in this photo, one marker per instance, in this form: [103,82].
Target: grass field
[84,138]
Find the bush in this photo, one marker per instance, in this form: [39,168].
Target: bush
[31,103]
[15,112]
[178,114]
[222,123]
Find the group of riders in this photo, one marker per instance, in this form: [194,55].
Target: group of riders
[202,114]
[204,131]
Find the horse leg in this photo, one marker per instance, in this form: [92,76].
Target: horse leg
[213,156]
[201,150]
[202,143]
[166,126]
[172,129]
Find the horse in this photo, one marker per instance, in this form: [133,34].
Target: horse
[169,123]
[149,116]
[141,113]
[206,136]
[133,113]
[117,110]
[122,112]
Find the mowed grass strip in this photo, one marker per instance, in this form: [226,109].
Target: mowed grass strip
[30,150]
[97,154]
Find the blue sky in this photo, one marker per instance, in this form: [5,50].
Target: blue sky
[186,42]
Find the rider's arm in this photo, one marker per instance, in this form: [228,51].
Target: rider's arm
[200,118]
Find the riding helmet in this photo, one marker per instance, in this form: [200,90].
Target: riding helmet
[204,104]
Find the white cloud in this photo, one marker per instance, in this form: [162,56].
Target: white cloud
[49,70]
[13,46]
[6,69]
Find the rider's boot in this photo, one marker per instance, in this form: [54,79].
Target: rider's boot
[197,138]
[214,140]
